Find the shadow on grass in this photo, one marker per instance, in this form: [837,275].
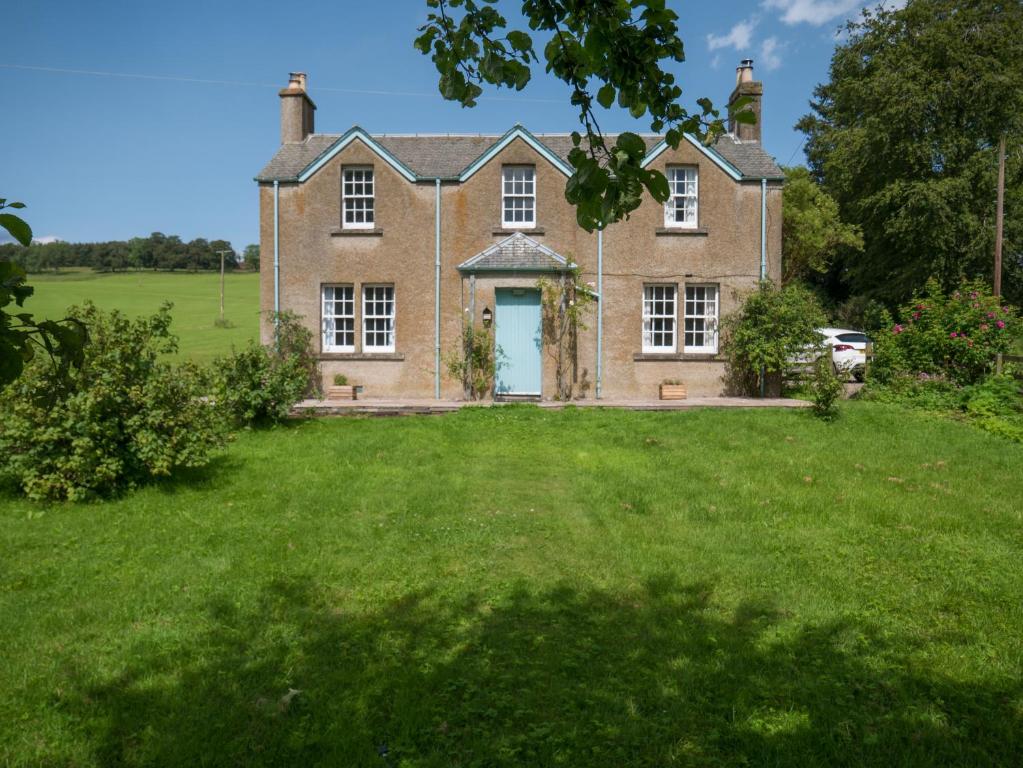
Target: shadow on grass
[654,677]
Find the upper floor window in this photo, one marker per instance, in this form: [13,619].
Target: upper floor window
[357,198]
[378,318]
[681,209]
[701,318]
[338,318]
[519,196]
[658,318]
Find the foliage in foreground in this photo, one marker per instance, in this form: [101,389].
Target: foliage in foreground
[825,389]
[955,337]
[21,335]
[258,385]
[771,328]
[122,419]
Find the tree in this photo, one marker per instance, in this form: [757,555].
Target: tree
[608,52]
[904,137]
[20,334]
[251,256]
[812,231]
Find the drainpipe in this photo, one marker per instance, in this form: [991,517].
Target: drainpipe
[763,261]
[436,297]
[600,311]
[277,260]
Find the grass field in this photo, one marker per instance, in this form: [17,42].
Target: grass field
[516,586]
[196,300]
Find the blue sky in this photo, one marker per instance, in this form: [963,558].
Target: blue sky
[114,155]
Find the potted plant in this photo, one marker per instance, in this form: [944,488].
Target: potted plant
[341,390]
[673,389]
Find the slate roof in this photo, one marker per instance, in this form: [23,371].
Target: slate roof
[516,253]
[447,156]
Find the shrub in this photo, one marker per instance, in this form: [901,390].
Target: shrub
[259,385]
[825,389]
[124,417]
[956,337]
[340,380]
[473,362]
[771,328]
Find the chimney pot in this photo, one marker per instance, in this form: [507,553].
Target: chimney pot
[744,72]
[296,80]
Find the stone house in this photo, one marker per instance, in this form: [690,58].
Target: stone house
[387,244]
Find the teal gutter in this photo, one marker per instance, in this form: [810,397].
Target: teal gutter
[436,298]
[277,261]
[763,262]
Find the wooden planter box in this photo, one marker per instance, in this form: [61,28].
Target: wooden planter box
[673,391]
[341,393]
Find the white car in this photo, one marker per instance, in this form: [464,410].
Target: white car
[848,349]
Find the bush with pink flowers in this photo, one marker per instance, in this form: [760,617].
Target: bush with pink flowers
[956,337]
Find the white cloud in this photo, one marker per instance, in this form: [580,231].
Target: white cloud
[770,53]
[815,12]
[738,37]
[46,239]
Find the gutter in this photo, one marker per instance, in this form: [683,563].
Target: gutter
[277,261]
[436,297]
[763,263]
[600,313]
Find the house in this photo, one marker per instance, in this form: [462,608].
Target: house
[386,244]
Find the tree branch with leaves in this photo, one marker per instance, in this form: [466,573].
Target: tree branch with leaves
[608,52]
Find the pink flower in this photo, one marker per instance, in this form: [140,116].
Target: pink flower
[953,335]
[983,326]
[1005,309]
[973,294]
[920,306]
[916,315]
[991,315]
[1000,324]
[897,329]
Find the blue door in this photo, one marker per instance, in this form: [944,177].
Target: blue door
[517,338]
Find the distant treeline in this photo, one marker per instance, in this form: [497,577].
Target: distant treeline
[158,251]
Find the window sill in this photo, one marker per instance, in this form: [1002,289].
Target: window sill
[693,231]
[649,357]
[386,356]
[342,232]
[513,230]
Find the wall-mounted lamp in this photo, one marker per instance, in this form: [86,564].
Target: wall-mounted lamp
[488,317]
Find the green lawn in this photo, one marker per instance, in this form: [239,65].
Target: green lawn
[196,300]
[516,586]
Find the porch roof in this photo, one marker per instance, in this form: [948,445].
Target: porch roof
[516,253]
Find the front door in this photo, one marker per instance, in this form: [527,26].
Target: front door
[517,338]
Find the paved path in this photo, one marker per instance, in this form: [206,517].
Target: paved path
[399,406]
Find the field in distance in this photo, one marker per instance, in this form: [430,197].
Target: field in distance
[196,299]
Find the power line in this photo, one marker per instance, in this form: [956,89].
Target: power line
[251,84]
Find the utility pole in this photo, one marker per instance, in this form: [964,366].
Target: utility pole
[222,254]
[999,215]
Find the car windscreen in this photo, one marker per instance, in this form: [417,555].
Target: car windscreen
[853,338]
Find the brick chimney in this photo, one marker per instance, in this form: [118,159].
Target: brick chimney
[745,85]
[296,110]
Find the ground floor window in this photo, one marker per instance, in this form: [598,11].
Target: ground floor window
[378,318]
[338,318]
[701,319]
[659,318]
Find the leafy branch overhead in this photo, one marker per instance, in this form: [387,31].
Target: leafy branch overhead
[608,52]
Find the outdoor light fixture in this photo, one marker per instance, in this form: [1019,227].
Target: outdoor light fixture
[488,316]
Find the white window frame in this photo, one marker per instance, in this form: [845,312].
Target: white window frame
[712,309]
[510,170]
[368,316]
[330,316]
[348,194]
[650,315]
[684,184]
